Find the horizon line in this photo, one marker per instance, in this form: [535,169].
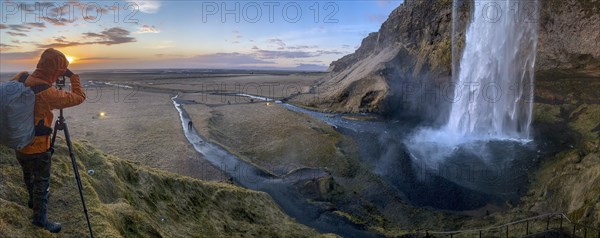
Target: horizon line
[282,69]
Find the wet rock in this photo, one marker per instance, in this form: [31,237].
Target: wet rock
[319,188]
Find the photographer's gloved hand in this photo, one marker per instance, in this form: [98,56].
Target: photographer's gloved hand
[69,73]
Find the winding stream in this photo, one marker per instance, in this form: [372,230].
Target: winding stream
[281,189]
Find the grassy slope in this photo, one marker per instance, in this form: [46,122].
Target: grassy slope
[129,200]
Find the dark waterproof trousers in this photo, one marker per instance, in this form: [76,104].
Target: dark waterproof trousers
[36,173]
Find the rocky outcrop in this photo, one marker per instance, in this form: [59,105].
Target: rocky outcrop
[412,46]
[401,69]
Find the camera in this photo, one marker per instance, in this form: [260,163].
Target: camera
[61,82]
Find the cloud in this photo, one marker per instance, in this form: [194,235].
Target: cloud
[16,41]
[302,47]
[103,58]
[91,34]
[112,36]
[148,6]
[60,39]
[168,55]
[329,52]
[277,42]
[228,59]
[56,21]
[30,7]
[147,29]
[38,25]
[89,18]
[20,55]
[88,8]
[278,54]
[6,47]
[20,28]
[15,34]
[272,54]
[63,44]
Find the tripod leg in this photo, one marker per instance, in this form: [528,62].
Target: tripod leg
[56,128]
[77,177]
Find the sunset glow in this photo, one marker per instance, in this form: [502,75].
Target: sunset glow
[71,59]
[181,34]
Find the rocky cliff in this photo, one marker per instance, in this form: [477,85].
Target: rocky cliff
[400,69]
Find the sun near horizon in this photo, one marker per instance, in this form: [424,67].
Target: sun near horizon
[71,59]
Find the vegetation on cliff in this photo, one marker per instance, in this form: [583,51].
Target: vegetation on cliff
[130,200]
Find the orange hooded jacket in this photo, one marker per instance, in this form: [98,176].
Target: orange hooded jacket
[52,65]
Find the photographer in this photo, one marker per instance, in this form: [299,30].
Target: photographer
[35,158]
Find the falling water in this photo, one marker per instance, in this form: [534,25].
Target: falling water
[494,87]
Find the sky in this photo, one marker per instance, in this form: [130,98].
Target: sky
[304,35]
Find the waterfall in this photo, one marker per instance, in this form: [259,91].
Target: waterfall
[455,4]
[494,86]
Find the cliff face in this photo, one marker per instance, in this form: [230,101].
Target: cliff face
[569,36]
[399,69]
[412,46]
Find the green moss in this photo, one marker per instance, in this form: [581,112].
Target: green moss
[585,119]
[546,113]
[441,57]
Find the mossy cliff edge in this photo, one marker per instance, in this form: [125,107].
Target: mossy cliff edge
[129,200]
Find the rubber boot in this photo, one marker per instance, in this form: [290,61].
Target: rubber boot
[30,202]
[40,214]
[41,191]
[41,220]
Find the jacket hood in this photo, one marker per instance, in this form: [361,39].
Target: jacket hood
[52,65]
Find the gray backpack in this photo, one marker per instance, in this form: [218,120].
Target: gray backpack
[17,101]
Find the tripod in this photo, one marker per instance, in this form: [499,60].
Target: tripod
[61,125]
